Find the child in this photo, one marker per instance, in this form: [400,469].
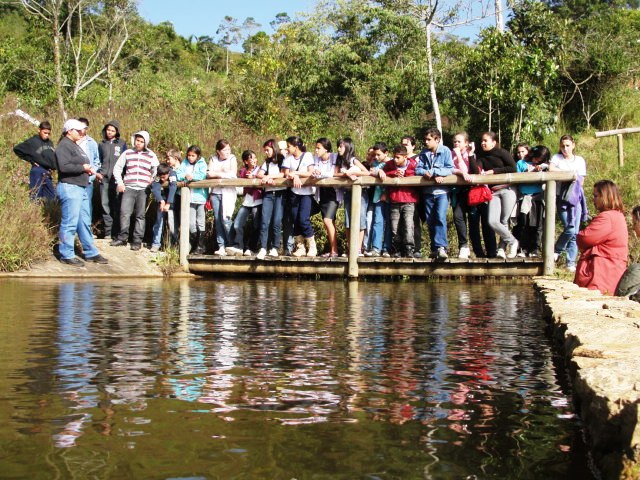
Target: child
[461,153]
[380,245]
[435,163]
[192,169]
[164,195]
[251,204]
[530,224]
[409,141]
[328,197]
[272,201]
[403,201]
[223,199]
[139,166]
[173,159]
[351,167]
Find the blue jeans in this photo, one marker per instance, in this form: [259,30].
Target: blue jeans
[379,226]
[237,232]
[134,203]
[567,239]
[157,227]
[223,224]
[271,225]
[74,205]
[402,213]
[363,209]
[40,184]
[301,214]
[435,208]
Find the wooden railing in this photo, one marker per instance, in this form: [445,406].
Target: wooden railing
[547,178]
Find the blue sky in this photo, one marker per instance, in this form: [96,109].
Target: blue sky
[202,17]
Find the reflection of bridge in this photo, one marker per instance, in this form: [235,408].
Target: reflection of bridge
[352,266]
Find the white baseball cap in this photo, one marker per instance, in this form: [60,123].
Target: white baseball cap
[73,124]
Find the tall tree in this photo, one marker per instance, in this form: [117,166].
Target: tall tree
[248,27]
[229,33]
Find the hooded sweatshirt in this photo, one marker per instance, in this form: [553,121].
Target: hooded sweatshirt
[110,150]
[139,166]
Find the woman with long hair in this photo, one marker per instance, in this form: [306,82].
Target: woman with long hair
[223,199]
[272,201]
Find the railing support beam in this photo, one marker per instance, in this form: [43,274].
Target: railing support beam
[549,227]
[185,210]
[354,231]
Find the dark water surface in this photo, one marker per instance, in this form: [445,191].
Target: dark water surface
[280,379]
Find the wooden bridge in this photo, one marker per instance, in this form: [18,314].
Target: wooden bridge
[354,266]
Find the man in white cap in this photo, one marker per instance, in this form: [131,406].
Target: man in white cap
[74,169]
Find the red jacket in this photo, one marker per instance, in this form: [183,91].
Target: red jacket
[402,194]
[604,247]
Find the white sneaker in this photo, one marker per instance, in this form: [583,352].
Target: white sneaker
[571,268]
[261,254]
[233,251]
[522,254]
[442,253]
[464,253]
[500,254]
[556,256]
[512,249]
[248,253]
[221,252]
[273,252]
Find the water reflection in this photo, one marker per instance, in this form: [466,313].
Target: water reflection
[394,380]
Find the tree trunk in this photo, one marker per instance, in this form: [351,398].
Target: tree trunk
[432,79]
[57,62]
[499,17]
[227,61]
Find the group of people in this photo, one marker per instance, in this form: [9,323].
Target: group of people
[502,221]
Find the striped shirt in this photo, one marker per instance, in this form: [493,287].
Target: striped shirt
[139,169]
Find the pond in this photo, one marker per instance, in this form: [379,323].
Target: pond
[281,379]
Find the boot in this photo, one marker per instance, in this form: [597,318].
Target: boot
[200,248]
[300,250]
[312,251]
[193,240]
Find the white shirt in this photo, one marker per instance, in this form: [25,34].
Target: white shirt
[573,164]
[300,165]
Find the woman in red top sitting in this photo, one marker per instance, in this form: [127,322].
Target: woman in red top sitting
[604,243]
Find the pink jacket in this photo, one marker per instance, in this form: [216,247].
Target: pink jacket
[604,247]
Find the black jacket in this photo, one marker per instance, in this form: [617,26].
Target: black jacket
[37,152]
[71,158]
[110,150]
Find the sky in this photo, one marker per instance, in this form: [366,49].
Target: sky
[202,17]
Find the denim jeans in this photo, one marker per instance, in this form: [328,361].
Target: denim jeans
[40,184]
[567,239]
[196,218]
[237,232]
[287,222]
[379,222]
[74,206]
[435,209]
[500,208]
[157,228]
[223,224]
[271,224]
[301,214]
[364,202]
[402,212]
[110,200]
[133,202]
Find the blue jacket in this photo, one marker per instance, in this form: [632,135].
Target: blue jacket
[168,193]
[198,195]
[438,164]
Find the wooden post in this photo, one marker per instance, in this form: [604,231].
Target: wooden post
[620,151]
[185,201]
[354,231]
[549,227]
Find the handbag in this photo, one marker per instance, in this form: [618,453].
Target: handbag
[479,194]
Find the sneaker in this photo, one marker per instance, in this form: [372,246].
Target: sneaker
[534,254]
[521,254]
[220,252]
[273,252]
[442,253]
[135,246]
[248,253]
[360,254]
[556,256]
[261,254]
[118,243]
[417,255]
[500,254]
[386,255]
[75,261]
[372,253]
[155,248]
[571,268]
[233,251]
[512,249]
[97,259]
[464,253]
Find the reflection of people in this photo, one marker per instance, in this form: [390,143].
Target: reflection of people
[604,243]
[38,151]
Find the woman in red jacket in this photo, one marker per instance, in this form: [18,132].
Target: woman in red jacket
[604,243]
